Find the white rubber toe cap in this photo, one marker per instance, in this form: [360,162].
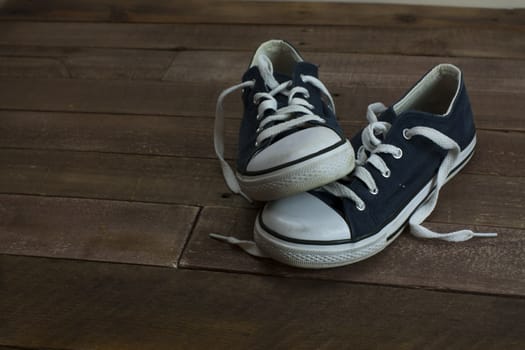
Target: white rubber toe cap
[304,217]
[292,147]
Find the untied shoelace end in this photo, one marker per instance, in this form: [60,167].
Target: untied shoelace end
[457,236]
[465,235]
[248,246]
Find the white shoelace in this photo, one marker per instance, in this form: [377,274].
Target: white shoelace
[374,145]
[249,247]
[297,112]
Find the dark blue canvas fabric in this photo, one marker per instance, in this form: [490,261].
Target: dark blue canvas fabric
[249,124]
[420,162]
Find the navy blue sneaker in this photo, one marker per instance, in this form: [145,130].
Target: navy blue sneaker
[289,140]
[404,157]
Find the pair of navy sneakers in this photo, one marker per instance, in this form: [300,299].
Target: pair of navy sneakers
[327,206]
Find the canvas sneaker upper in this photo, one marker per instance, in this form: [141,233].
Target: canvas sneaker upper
[288,120]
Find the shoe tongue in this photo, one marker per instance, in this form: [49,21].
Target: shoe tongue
[303,68]
[281,78]
[300,68]
[388,116]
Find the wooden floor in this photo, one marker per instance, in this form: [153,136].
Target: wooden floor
[109,186]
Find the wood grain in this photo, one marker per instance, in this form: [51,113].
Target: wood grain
[86,305]
[192,137]
[261,12]
[493,109]
[468,199]
[138,233]
[479,265]
[486,41]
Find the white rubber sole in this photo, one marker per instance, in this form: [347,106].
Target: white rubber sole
[327,256]
[301,177]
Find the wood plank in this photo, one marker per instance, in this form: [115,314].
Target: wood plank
[493,110]
[261,12]
[481,265]
[138,233]
[115,176]
[84,63]
[191,137]
[118,133]
[86,305]
[38,62]
[226,67]
[468,199]
[486,41]
[29,67]
[4,347]
[342,69]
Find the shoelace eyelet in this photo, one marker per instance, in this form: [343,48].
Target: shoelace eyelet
[257,144]
[405,134]
[399,154]
[374,191]
[361,206]
[386,174]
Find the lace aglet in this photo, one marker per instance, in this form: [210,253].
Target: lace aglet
[246,197]
[220,237]
[248,246]
[486,235]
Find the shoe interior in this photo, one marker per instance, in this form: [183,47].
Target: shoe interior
[282,55]
[435,93]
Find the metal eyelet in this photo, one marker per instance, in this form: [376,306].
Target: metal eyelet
[399,154]
[259,129]
[360,206]
[405,134]
[386,174]
[374,191]
[257,144]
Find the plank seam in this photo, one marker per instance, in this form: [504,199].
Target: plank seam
[188,237]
